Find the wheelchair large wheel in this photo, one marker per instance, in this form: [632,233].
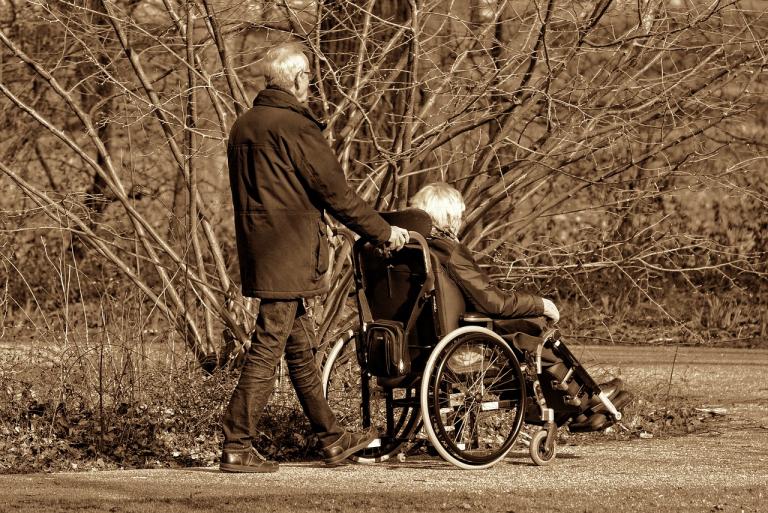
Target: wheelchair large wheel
[344,388]
[472,398]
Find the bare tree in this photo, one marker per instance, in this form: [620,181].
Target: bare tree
[553,118]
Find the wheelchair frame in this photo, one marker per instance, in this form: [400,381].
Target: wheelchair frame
[426,408]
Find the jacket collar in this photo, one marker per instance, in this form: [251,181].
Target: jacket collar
[281,99]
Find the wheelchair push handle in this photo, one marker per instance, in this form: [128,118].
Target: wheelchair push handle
[351,237]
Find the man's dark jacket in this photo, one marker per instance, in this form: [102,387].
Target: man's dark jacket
[476,286]
[283,174]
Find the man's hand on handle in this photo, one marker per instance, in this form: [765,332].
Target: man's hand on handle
[397,238]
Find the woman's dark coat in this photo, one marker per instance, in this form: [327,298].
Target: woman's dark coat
[476,286]
[283,174]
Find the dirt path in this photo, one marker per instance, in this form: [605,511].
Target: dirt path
[724,469]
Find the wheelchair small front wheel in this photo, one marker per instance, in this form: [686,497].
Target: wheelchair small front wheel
[538,449]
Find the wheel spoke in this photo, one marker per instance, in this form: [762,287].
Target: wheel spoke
[477,382]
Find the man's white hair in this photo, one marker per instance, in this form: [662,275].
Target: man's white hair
[282,63]
[444,205]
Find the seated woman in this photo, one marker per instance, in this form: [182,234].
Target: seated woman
[520,317]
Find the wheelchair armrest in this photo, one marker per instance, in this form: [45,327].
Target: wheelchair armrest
[476,318]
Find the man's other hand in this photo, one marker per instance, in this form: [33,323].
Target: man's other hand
[397,238]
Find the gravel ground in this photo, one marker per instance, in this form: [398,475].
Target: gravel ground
[723,469]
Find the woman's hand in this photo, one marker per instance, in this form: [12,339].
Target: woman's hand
[551,311]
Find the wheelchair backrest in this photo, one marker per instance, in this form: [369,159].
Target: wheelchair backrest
[409,285]
[393,284]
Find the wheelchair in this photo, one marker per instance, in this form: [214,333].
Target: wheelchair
[458,387]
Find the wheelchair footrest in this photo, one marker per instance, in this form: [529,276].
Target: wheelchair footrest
[600,417]
[572,401]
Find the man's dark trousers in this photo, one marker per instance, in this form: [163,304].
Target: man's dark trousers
[282,327]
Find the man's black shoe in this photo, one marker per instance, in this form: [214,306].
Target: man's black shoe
[348,444]
[248,460]
[597,419]
[594,422]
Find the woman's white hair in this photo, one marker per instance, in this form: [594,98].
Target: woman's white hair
[282,63]
[444,205]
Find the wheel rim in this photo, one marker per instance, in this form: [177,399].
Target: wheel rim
[539,452]
[476,401]
[544,454]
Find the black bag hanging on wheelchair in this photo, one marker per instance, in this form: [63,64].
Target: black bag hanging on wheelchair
[386,349]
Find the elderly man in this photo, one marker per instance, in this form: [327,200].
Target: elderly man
[283,176]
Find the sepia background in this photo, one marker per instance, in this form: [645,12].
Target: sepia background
[612,155]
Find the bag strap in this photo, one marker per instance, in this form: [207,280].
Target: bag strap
[428,287]
[362,301]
